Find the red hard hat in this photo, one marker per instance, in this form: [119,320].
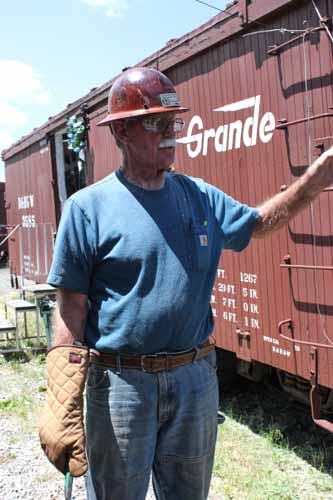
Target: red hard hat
[141,91]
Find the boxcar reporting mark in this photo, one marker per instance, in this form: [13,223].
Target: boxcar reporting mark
[230,135]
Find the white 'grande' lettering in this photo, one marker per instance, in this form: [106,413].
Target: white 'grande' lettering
[231,135]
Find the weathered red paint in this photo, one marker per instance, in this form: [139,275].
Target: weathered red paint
[30,203]
[3,219]
[212,67]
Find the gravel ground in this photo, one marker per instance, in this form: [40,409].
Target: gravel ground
[25,473]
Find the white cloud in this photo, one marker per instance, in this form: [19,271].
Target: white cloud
[42,98]
[112,8]
[20,88]
[6,139]
[20,80]
[11,117]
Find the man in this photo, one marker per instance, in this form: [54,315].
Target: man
[135,262]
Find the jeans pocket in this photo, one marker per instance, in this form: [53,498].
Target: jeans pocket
[210,361]
[98,377]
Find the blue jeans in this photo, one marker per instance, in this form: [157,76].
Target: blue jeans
[164,423]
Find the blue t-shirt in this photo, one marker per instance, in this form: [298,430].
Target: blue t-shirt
[147,259]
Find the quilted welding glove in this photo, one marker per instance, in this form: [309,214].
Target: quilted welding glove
[61,428]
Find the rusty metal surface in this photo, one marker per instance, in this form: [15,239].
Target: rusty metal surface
[104,156]
[3,219]
[215,67]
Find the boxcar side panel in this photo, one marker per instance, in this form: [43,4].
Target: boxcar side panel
[29,188]
[252,292]
[104,154]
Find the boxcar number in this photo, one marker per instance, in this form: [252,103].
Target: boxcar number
[28,221]
[248,278]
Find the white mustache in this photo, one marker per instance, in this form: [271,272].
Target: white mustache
[167,143]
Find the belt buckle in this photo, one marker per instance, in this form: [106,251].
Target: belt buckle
[154,356]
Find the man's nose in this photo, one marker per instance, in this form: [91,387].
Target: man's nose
[169,131]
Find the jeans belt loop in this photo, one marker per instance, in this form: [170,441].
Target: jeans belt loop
[118,363]
[196,355]
[143,357]
[167,362]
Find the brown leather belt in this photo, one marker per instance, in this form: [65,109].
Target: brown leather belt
[152,363]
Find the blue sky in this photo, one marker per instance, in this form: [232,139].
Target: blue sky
[52,53]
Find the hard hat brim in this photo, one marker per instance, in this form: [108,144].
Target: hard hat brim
[140,112]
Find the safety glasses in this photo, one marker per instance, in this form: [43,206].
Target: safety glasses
[159,124]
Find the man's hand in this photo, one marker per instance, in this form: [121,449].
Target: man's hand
[277,211]
[326,161]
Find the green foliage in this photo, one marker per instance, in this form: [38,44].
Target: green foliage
[40,357]
[76,131]
[276,437]
[19,405]
[268,448]
[7,457]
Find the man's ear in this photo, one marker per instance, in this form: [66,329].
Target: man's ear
[119,130]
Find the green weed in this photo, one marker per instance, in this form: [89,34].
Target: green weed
[7,457]
[19,406]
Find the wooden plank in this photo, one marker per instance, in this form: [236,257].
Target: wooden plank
[20,305]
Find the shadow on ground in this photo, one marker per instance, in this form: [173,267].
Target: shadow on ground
[269,411]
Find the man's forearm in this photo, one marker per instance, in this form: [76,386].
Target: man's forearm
[69,318]
[278,210]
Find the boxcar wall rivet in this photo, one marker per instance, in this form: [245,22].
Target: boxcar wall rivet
[230,135]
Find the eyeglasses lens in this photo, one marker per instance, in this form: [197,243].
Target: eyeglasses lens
[161,125]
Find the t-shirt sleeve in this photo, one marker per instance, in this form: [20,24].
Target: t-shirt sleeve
[74,250]
[236,220]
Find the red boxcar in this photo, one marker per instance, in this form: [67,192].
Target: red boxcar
[258,80]
[3,224]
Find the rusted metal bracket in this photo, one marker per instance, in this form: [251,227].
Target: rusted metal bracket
[288,265]
[243,12]
[303,266]
[313,366]
[290,324]
[275,49]
[84,111]
[284,122]
[320,142]
[315,396]
[322,139]
[323,21]
[244,341]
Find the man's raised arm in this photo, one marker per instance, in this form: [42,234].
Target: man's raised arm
[279,209]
